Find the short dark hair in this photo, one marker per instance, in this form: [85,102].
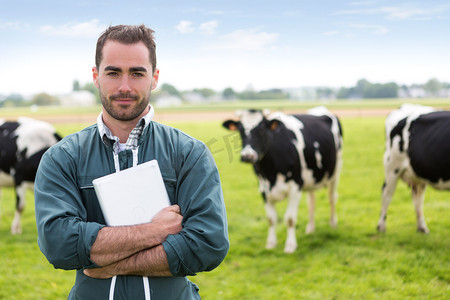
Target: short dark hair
[127,34]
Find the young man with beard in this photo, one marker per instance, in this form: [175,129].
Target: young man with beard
[144,261]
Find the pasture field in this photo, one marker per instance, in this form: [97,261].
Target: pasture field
[350,262]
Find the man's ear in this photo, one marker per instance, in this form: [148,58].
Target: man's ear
[95,76]
[230,125]
[155,79]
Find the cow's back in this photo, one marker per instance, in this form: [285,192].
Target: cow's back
[318,141]
[417,152]
[22,145]
[318,135]
[429,146]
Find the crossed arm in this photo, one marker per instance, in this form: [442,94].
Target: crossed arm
[135,250]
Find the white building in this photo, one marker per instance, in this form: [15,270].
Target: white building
[78,98]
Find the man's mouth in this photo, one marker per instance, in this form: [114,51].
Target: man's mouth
[124,97]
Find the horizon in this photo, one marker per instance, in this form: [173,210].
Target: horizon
[248,88]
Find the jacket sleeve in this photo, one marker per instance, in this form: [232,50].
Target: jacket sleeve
[203,243]
[64,237]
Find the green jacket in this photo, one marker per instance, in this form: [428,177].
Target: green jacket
[68,215]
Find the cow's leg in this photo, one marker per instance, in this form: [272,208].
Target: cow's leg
[418,195]
[333,198]
[388,191]
[16,227]
[290,218]
[272,219]
[310,227]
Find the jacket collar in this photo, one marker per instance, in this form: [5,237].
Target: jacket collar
[111,140]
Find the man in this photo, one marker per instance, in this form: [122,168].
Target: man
[188,237]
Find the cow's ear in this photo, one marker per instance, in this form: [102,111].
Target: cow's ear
[230,125]
[273,124]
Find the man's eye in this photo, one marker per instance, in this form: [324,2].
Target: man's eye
[112,74]
[137,75]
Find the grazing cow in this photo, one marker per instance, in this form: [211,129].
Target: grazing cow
[22,145]
[418,152]
[292,153]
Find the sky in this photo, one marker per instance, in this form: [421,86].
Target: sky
[47,44]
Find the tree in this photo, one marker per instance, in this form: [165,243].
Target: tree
[44,99]
[377,90]
[205,92]
[228,94]
[347,93]
[13,100]
[365,89]
[76,85]
[432,87]
[361,88]
[90,87]
[324,93]
[266,94]
[272,94]
[170,89]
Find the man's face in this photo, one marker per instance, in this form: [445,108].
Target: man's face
[125,80]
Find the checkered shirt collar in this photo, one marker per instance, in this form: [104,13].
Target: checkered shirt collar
[132,142]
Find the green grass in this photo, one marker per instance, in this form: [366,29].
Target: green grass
[350,262]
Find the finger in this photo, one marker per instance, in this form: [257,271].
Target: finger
[175,208]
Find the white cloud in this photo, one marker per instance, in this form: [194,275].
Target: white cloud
[375,29]
[362,3]
[13,25]
[208,28]
[248,40]
[404,12]
[333,32]
[185,27]
[216,12]
[85,29]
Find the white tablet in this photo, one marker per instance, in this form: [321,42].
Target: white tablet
[132,196]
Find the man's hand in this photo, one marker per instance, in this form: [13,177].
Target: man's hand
[169,221]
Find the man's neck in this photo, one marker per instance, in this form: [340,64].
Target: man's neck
[121,129]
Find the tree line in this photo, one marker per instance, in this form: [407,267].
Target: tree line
[362,90]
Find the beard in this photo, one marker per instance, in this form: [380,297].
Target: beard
[125,112]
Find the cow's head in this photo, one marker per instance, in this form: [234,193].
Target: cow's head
[256,133]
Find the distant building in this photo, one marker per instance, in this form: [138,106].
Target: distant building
[78,98]
[444,93]
[167,100]
[411,92]
[302,93]
[194,97]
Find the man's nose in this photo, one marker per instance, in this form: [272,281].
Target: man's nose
[124,85]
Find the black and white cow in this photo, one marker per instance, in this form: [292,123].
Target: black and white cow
[418,152]
[22,145]
[291,154]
